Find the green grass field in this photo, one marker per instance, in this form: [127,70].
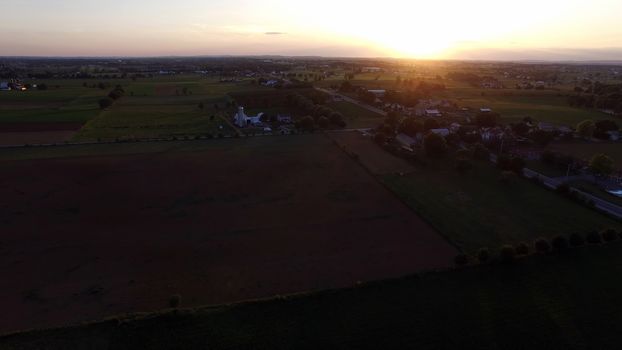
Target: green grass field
[568,300]
[514,105]
[64,101]
[586,150]
[160,108]
[477,210]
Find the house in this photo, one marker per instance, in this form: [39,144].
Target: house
[548,127]
[284,119]
[371,70]
[614,135]
[406,142]
[378,93]
[440,132]
[433,113]
[492,134]
[4,86]
[454,128]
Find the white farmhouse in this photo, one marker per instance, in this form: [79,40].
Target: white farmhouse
[242,120]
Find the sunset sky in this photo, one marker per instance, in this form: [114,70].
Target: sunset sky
[476,29]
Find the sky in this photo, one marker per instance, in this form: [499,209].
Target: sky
[434,29]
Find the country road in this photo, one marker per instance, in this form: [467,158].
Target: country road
[354,101]
[554,183]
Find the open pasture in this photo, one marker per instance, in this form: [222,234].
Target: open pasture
[477,209]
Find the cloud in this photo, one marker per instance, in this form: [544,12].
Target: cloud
[275,33]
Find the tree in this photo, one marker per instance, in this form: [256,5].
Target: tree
[480,152]
[601,165]
[487,119]
[507,254]
[323,122]
[483,255]
[586,129]
[594,238]
[542,245]
[577,240]
[411,127]
[609,235]
[174,301]
[306,123]
[105,102]
[541,137]
[434,145]
[380,138]
[461,260]
[430,124]
[522,249]
[559,242]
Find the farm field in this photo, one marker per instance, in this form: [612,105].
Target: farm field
[110,229]
[559,301]
[165,108]
[514,105]
[485,212]
[47,116]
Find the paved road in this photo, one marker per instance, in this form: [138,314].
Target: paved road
[354,101]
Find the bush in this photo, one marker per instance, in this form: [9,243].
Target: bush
[464,154]
[380,138]
[522,249]
[480,152]
[434,145]
[507,254]
[563,189]
[483,255]
[174,301]
[548,157]
[577,240]
[609,235]
[594,238]
[323,122]
[542,245]
[463,166]
[560,242]
[105,103]
[507,178]
[461,260]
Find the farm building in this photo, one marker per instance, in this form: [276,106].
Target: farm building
[440,132]
[378,93]
[284,119]
[406,142]
[433,113]
[371,70]
[242,120]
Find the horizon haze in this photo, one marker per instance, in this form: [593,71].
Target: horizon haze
[479,30]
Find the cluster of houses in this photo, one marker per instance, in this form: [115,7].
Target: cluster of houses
[13,85]
[241,120]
